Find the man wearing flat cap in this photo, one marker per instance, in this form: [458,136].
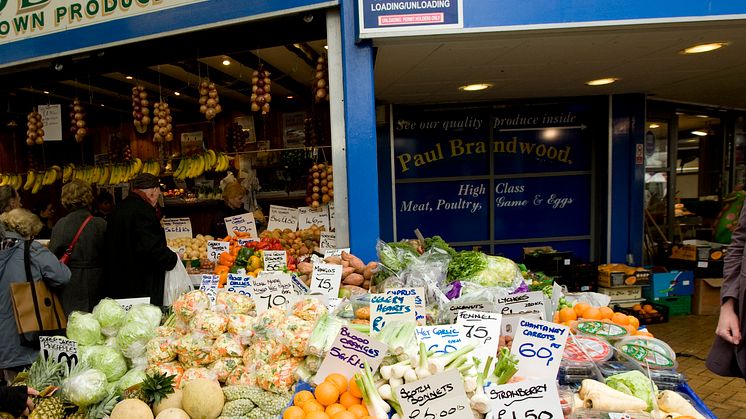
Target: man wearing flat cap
[137,254]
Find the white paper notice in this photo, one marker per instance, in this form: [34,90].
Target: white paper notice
[209,285]
[438,396]
[441,339]
[275,260]
[481,329]
[539,346]
[385,308]
[282,218]
[215,248]
[59,349]
[527,302]
[419,301]
[308,217]
[348,353]
[51,117]
[177,227]
[240,284]
[327,241]
[243,223]
[326,279]
[272,289]
[525,399]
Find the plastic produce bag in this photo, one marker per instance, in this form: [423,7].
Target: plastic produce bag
[228,345]
[84,329]
[234,303]
[323,334]
[294,332]
[133,338]
[278,377]
[198,372]
[110,315]
[177,283]
[146,314]
[168,368]
[190,304]
[107,360]
[224,366]
[209,322]
[85,388]
[161,349]
[309,308]
[196,349]
[264,352]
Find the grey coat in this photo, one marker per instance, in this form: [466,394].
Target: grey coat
[86,262]
[45,265]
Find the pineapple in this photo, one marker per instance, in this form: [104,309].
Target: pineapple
[45,375]
[48,408]
[99,410]
[154,388]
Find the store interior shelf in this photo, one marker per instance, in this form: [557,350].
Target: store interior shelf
[281,194]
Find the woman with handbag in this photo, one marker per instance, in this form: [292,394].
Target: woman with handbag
[78,239]
[20,227]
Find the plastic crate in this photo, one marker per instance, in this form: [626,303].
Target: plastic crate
[677,305]
[647,318]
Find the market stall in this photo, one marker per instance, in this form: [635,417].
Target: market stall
[423,331]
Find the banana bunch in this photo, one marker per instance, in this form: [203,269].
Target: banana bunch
[15,180]
[152,167]
[34,181]
[194,166]
[108,174]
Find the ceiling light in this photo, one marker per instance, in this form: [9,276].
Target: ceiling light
[702,116]
[177,94]
[102,105]
[475,87]
[128,77]
[289,97]
[326,46]
[46,92]
[226,62]
[699,133]
[601,82]
[653,126]
[697,49]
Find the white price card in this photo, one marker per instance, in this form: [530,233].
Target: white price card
[243,223]
[527,302]
[441,339]
[481,329]
[328,241]
[59,349]
[128,303]
[243,242]
[532,399]
[389,308]
[275,260]
[438,396]
[539,346]
[51,117]
[177,227]
[209,286]
[335,252]
[282,218]
[272,289]
[348,353]
[453,307]
[215,248]
[239,284]
[326,279]
[308,217]
[419,300]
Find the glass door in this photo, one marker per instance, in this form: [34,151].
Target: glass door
[659,185]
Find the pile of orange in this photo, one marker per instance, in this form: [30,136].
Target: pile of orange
[335,398]
[585,311]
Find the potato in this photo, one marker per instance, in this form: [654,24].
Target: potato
[357,264]
[347,271]
[366,284]
[305,268]
[346,256]
[354,279]
[334,260]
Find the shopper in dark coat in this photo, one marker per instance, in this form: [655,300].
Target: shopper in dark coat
[87,259]
[136,250]
[728,354]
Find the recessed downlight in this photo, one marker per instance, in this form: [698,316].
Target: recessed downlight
[475,87]
[128,77]
[698,49]
[654,126]
[46,92]
[699,133]
[177,94]
[602,82]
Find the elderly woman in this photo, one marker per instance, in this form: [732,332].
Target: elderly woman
[21,225]
[233,196]
[87,258]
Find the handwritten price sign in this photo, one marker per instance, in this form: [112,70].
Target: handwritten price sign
[128,303]
[215,248]
[529,302]
[326,279]
[438,396]
[243,223]
[385,308]
[441,339]
[328,242]
[275,260]
[177,227]
[539,346]
[239,284]
[282,218]
[308,217]
[272,289]
[209,285]
[450,314]
[59,349]
[535,399]
[482,329]
[419,301]
[348,353]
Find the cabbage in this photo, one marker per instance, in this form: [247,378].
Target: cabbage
[635,384]
[488,271]
[107,360]
[110,315]
[133,338]
[84,329]
[85,388]
[145,314]
[132,377]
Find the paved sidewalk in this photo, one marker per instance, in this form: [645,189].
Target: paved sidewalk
[691,337]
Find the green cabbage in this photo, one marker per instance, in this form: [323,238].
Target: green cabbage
[85,388]
[129,379]
[485,270]
[133,338]
[107,360]
[84,329]
[110,315]
[635,384]
[145,314]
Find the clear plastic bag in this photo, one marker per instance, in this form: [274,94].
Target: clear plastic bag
[177,284]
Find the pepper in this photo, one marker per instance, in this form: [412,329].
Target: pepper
[234,269]
[226,259]
[221,269]
[243,256]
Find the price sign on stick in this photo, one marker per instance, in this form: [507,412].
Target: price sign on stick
[534,399]
[128,303]
[59,349]
[335,252]
[481,329]
[419,300]
[215,248]
[385,308]
[438,396]
[326,279]
[452,308]
[308,217]
[348,353]
[528,302]
[209,285]
[328,241]
[243,223]
[441,339]
[272,289]
[239,284]
[282,218]
[539,346]
[275,260]
[177,227]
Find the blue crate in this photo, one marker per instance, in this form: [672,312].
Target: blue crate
[669,284]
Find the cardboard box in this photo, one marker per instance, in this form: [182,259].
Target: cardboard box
[667,284]
[707,295]
[622,293]
[618,275]
[547,260]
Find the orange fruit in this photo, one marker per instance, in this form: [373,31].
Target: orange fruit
[620,319]
[630,330]
[556,318]
[592,313]
[343,415]
[338,380]
[637,307]
[580,308]
[334,408]
[648,308]
[347,399]
[358,410]
[317,415]
[644,333]
[606,312]
[293,412]
[302,397]
[567,314]
[312,406]
[633,321]
[326,393]
[354,389]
